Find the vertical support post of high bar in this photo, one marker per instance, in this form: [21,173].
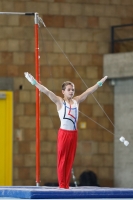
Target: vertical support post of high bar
[37,71]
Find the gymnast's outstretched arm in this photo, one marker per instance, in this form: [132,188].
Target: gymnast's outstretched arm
[90,90]
[56,99]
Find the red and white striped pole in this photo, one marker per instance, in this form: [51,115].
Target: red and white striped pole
[37,71]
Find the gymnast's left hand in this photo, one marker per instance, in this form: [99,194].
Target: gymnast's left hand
[103,79]
[100,83]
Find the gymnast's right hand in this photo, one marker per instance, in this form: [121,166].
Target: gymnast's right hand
[30,78]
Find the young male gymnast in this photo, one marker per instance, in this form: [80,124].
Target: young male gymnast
[67,108]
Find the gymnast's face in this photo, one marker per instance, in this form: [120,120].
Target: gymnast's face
[69,91]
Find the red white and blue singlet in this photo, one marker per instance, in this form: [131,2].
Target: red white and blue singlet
[68,115]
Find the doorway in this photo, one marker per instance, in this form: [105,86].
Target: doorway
[6,126]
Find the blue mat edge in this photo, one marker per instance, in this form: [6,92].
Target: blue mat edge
[49,193]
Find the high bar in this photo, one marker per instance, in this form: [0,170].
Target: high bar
[16,13]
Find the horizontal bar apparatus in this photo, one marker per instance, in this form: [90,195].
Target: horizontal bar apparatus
[37,91]
[17,13]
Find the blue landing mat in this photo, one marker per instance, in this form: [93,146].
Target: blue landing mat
[41,192]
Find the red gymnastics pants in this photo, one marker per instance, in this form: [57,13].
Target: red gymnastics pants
[66,149]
